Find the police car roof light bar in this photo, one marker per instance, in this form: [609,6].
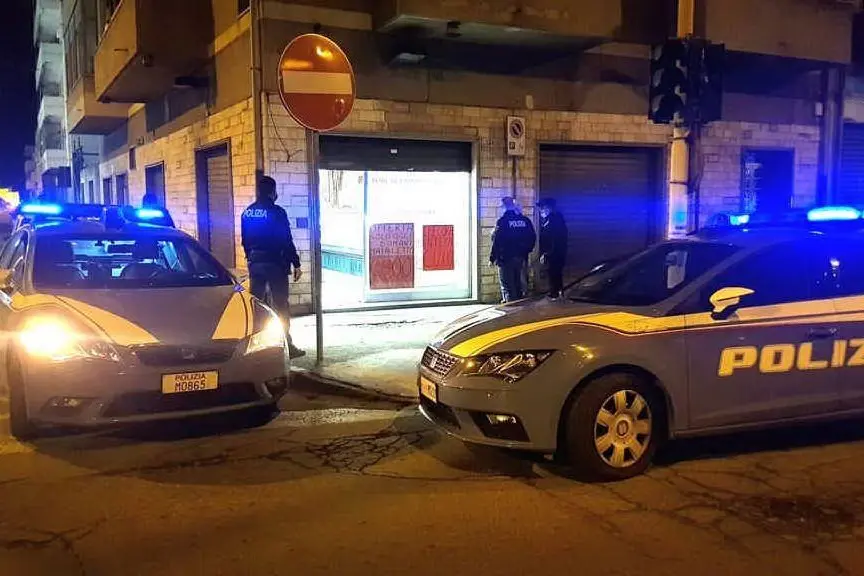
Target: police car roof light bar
[41,209]
[739,219]
[833,213]
[150,213]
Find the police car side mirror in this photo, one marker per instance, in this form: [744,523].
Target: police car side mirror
[726,300]
[6,284]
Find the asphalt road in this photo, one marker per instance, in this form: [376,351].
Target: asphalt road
[340,486]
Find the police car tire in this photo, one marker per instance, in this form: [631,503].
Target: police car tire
[580,451]
[19,422]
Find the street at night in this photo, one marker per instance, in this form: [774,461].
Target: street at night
[340,485]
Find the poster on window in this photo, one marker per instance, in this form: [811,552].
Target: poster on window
[438,249]
[391,256]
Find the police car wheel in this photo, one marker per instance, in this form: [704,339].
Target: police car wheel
[19,421]
[612,428]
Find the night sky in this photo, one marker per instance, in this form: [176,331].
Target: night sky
[17,90]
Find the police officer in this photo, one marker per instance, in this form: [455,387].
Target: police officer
[270,251]
[512,243]
[553,245]
[149,200]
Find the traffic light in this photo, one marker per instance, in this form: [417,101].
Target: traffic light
[668,91]
[686,81]
[708,61]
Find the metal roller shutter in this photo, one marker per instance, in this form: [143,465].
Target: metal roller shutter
[850,184]
[220,207]
[393,154]
[610,198]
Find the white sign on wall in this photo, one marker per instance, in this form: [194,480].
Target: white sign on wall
[515,136]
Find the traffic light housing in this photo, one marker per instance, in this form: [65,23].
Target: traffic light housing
[686,85]
[668,90]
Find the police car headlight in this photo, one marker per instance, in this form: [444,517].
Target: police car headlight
[508,366]
[272,336]
[56,339]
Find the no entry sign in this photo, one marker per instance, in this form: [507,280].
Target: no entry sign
[316,82]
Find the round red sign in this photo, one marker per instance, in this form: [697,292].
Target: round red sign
[316,82]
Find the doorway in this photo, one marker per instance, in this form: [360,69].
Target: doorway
[154,182]
[767,179]
[215,203]
[397,222]
[122,185]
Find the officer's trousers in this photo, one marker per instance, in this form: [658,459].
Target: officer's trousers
[270,278]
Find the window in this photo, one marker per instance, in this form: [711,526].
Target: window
[652,276]
[242,6]
[107,195]
[767,179]
[120,261]
[122,189]
[844,274]
[788,272]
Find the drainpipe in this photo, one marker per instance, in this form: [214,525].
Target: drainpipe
[255,41]
[832,127]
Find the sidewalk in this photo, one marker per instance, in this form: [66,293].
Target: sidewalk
[376,350]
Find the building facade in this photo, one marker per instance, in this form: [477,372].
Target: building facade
[183,99]
[51,151]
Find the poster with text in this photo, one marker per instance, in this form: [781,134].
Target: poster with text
[438,249]
[391,256]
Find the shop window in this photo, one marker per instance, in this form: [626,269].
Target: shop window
[767,179]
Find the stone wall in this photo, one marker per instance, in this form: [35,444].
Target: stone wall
[177,150]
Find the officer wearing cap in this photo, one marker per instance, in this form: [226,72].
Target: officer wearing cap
[270,251]
[553,245]
[512,243]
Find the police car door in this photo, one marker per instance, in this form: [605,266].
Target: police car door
[759,340]
[846,275]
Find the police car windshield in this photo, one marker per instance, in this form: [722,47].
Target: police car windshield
[652,276]
[118,262]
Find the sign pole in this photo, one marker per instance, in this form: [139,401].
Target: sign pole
[315,237]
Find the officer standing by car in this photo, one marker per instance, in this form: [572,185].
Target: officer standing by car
[512,243]
[270,252]
[553,245]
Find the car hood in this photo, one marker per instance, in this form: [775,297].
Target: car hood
[162,316]
[476,332]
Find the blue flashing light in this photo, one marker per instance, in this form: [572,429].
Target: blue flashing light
[149,213]
[41,209]
[833,213]
[739,219]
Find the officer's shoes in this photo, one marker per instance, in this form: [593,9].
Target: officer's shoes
[294,352]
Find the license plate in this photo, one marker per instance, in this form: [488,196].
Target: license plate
[428,389]
[189,382]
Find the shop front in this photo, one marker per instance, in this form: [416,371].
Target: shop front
[398,222]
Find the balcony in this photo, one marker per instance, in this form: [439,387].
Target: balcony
[46,22]
[526,23]
[50,107]
[147,44]
[86,115]
[49,59]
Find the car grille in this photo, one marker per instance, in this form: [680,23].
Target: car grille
[438,362]
[143,403]
[211,353]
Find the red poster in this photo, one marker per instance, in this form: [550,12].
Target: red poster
[438,248]
[391,256]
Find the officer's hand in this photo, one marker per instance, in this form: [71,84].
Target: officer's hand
[298,273]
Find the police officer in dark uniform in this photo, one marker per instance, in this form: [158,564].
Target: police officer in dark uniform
[553,245]
[512,243]
[270,251]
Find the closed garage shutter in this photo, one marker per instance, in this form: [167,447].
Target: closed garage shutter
[220,207]
[610,198]
[393,154]
[850,184]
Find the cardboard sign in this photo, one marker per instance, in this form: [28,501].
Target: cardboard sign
[391,256]
[438,249]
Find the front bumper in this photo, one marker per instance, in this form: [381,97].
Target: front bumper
[483,410]
[85,393]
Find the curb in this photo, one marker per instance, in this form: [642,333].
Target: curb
[309,381]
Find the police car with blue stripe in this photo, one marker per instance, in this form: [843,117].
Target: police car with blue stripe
[755,321]
[112,315]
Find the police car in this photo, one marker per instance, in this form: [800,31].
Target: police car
[110,318]
[757,321]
